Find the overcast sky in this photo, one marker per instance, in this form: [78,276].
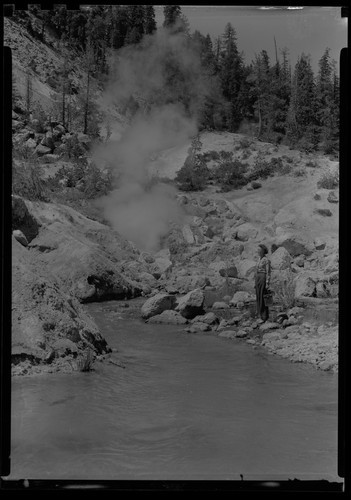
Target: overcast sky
[309,29]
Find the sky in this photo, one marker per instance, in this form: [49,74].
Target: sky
[309,29]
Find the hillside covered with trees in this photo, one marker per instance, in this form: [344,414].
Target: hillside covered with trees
[267,99]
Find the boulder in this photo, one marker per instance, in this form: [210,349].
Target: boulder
[42,150]
[246,232]
[332,263]
[295,244]
[64,347]
[31,143]
[191,304]
[300,260]
[322,291]
[23,220]
[20,237]
[305,286]
[332,197]
[199,327]
[269,325]
[246,268]
[244,297]
[228,334]
[256,185]
[168,317]
[280,259]
[163,264]
[188,234]
[48,141]
[319,244]
[324,212]
[210,318]
[220,305]
[157,304]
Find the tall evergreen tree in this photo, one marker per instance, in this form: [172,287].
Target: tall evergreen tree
[172,14]
[302,109]
[327,102]
[231,75]
[149,20]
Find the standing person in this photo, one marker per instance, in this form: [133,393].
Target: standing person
[262,280]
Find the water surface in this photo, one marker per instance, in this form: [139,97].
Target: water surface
[185,407]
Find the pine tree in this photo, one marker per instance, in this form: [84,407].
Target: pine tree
[172,14]
[327,103]
[136,22]
[231,75]
[302,109]
[149,20]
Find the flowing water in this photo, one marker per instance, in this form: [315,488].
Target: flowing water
[184,407]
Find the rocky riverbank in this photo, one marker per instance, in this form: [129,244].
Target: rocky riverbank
[62,258]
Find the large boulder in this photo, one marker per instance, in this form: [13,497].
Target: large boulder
[157,304]
[23,220]
[246,232]
[295,244]
[332,197]
[191,304]
[305,286]
[280,259]
[20,237]
[41,150]
[246,268]
[43,313]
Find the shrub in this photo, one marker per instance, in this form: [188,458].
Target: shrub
[329,180]
[284,290]
[210,155]
[27,180]
[245,143]
[194,174]
[85,361]
[299,172]
[312,164]
[231,175]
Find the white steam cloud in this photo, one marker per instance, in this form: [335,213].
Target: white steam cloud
[139,210]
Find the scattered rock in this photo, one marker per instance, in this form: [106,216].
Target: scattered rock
[295,245]
[228,334]
[269,325]
[305,286]
[243,297]
[188,234]
[246,268]
[20,237]
[220,305]
[157,304]
[300,260]
[325,212]
[332,197]
[168,317]
[210,318]
[42,150]
[246,232]
[319,244]
[256,185]
[281,259]
[321,290]
[191,304]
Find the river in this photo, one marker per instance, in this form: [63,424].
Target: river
[184,407]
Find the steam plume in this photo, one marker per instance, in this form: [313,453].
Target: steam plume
[140,211]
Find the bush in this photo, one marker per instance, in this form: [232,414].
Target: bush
[230,175]
[85,361]
[210,155]
[329,180]
[27,180]
[299,172]
[194,174]
[284,290]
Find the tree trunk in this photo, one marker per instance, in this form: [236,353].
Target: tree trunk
[259,119]
[86,108]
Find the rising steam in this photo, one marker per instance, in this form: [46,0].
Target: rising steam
[137,209]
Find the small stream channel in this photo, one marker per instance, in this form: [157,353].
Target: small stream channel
[184,407]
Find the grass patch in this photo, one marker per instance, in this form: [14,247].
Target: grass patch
[85,361]
[328,180]
[284,290]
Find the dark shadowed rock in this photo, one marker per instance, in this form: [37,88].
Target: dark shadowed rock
[20,237]
[332,197]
